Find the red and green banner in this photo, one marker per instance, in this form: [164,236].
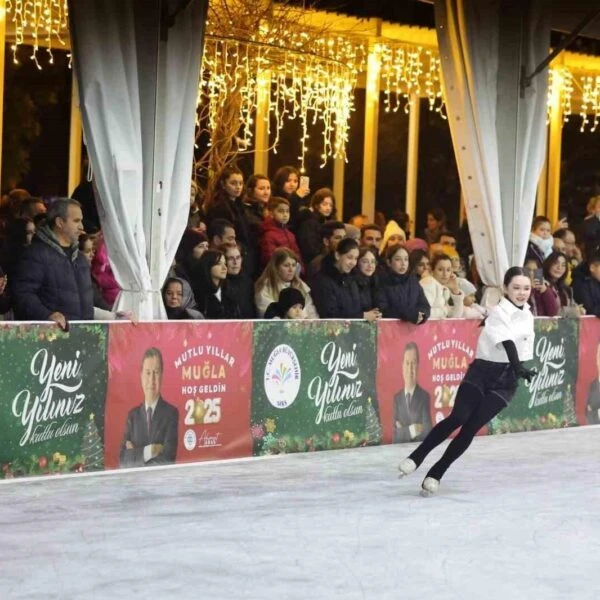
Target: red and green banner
[588,380]
[314,386]
[204,385]
[419,369]
[122,395]
[53,392]
[548,401]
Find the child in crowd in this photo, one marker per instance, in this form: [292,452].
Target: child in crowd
[274,232]
[289,306]
[540,241]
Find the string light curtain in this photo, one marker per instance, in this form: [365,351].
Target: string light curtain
[313,86]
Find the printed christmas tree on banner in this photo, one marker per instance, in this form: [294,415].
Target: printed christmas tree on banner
[569,407]
[91,446]
[372,424]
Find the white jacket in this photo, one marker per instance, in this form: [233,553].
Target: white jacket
[438,296]
[265,296]
[506,322]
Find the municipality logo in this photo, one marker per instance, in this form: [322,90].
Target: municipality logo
[282,376]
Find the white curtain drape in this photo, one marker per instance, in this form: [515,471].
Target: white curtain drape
[499,138]
[137,64]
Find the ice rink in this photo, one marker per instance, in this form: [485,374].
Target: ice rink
[518,517]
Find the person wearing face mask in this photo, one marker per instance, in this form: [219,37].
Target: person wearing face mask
[490,383]
[213,296]
[336,291]
[281,272]
[402,297]
[540,241]
[310,221]
[442,289]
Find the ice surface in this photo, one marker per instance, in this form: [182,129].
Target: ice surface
[518,517]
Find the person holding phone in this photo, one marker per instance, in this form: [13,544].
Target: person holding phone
[287,183]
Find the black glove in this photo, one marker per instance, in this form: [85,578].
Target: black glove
[524,373]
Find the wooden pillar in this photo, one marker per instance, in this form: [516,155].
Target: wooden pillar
[542,190]
[412,162]
[2,46]
[371,133]
[75,140]
[339,171]
[554,149]
[261,134]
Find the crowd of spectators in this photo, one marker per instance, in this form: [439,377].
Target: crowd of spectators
[266,248]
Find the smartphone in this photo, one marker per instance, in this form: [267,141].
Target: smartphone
[538,275]
[304,181]
[563,216]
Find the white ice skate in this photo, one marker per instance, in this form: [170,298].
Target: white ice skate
[406,467]
[429,487]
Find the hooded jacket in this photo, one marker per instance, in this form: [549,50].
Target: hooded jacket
[49,279]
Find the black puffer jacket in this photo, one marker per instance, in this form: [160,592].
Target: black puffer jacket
[368,288]
[402,298]
[241,287]
[308,234]
[48,279]
[336,294]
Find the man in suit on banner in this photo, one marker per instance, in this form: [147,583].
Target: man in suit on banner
[412,418]
[593,399]
[151,430]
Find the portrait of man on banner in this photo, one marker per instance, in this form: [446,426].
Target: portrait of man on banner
[151,429]
[412,417]
[593,398]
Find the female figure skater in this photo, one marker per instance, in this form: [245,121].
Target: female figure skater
[490,381]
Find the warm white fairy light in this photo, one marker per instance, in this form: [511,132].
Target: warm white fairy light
[311,80]
[406,70]
[43,21]
[590,102]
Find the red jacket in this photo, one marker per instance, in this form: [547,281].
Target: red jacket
[273,236]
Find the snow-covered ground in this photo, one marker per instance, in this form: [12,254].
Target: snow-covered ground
[518,517]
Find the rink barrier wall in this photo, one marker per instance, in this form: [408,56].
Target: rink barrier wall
[71,402]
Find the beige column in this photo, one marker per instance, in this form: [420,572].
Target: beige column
[542,190]
[339,171]
[412,161]
[554,149]
[371,133]
[261,133]
[75,140]
[2,46]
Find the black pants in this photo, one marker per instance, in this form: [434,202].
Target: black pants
[472,410]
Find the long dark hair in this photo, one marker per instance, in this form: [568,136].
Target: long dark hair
[203,282]
[280,178]
[559,284]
